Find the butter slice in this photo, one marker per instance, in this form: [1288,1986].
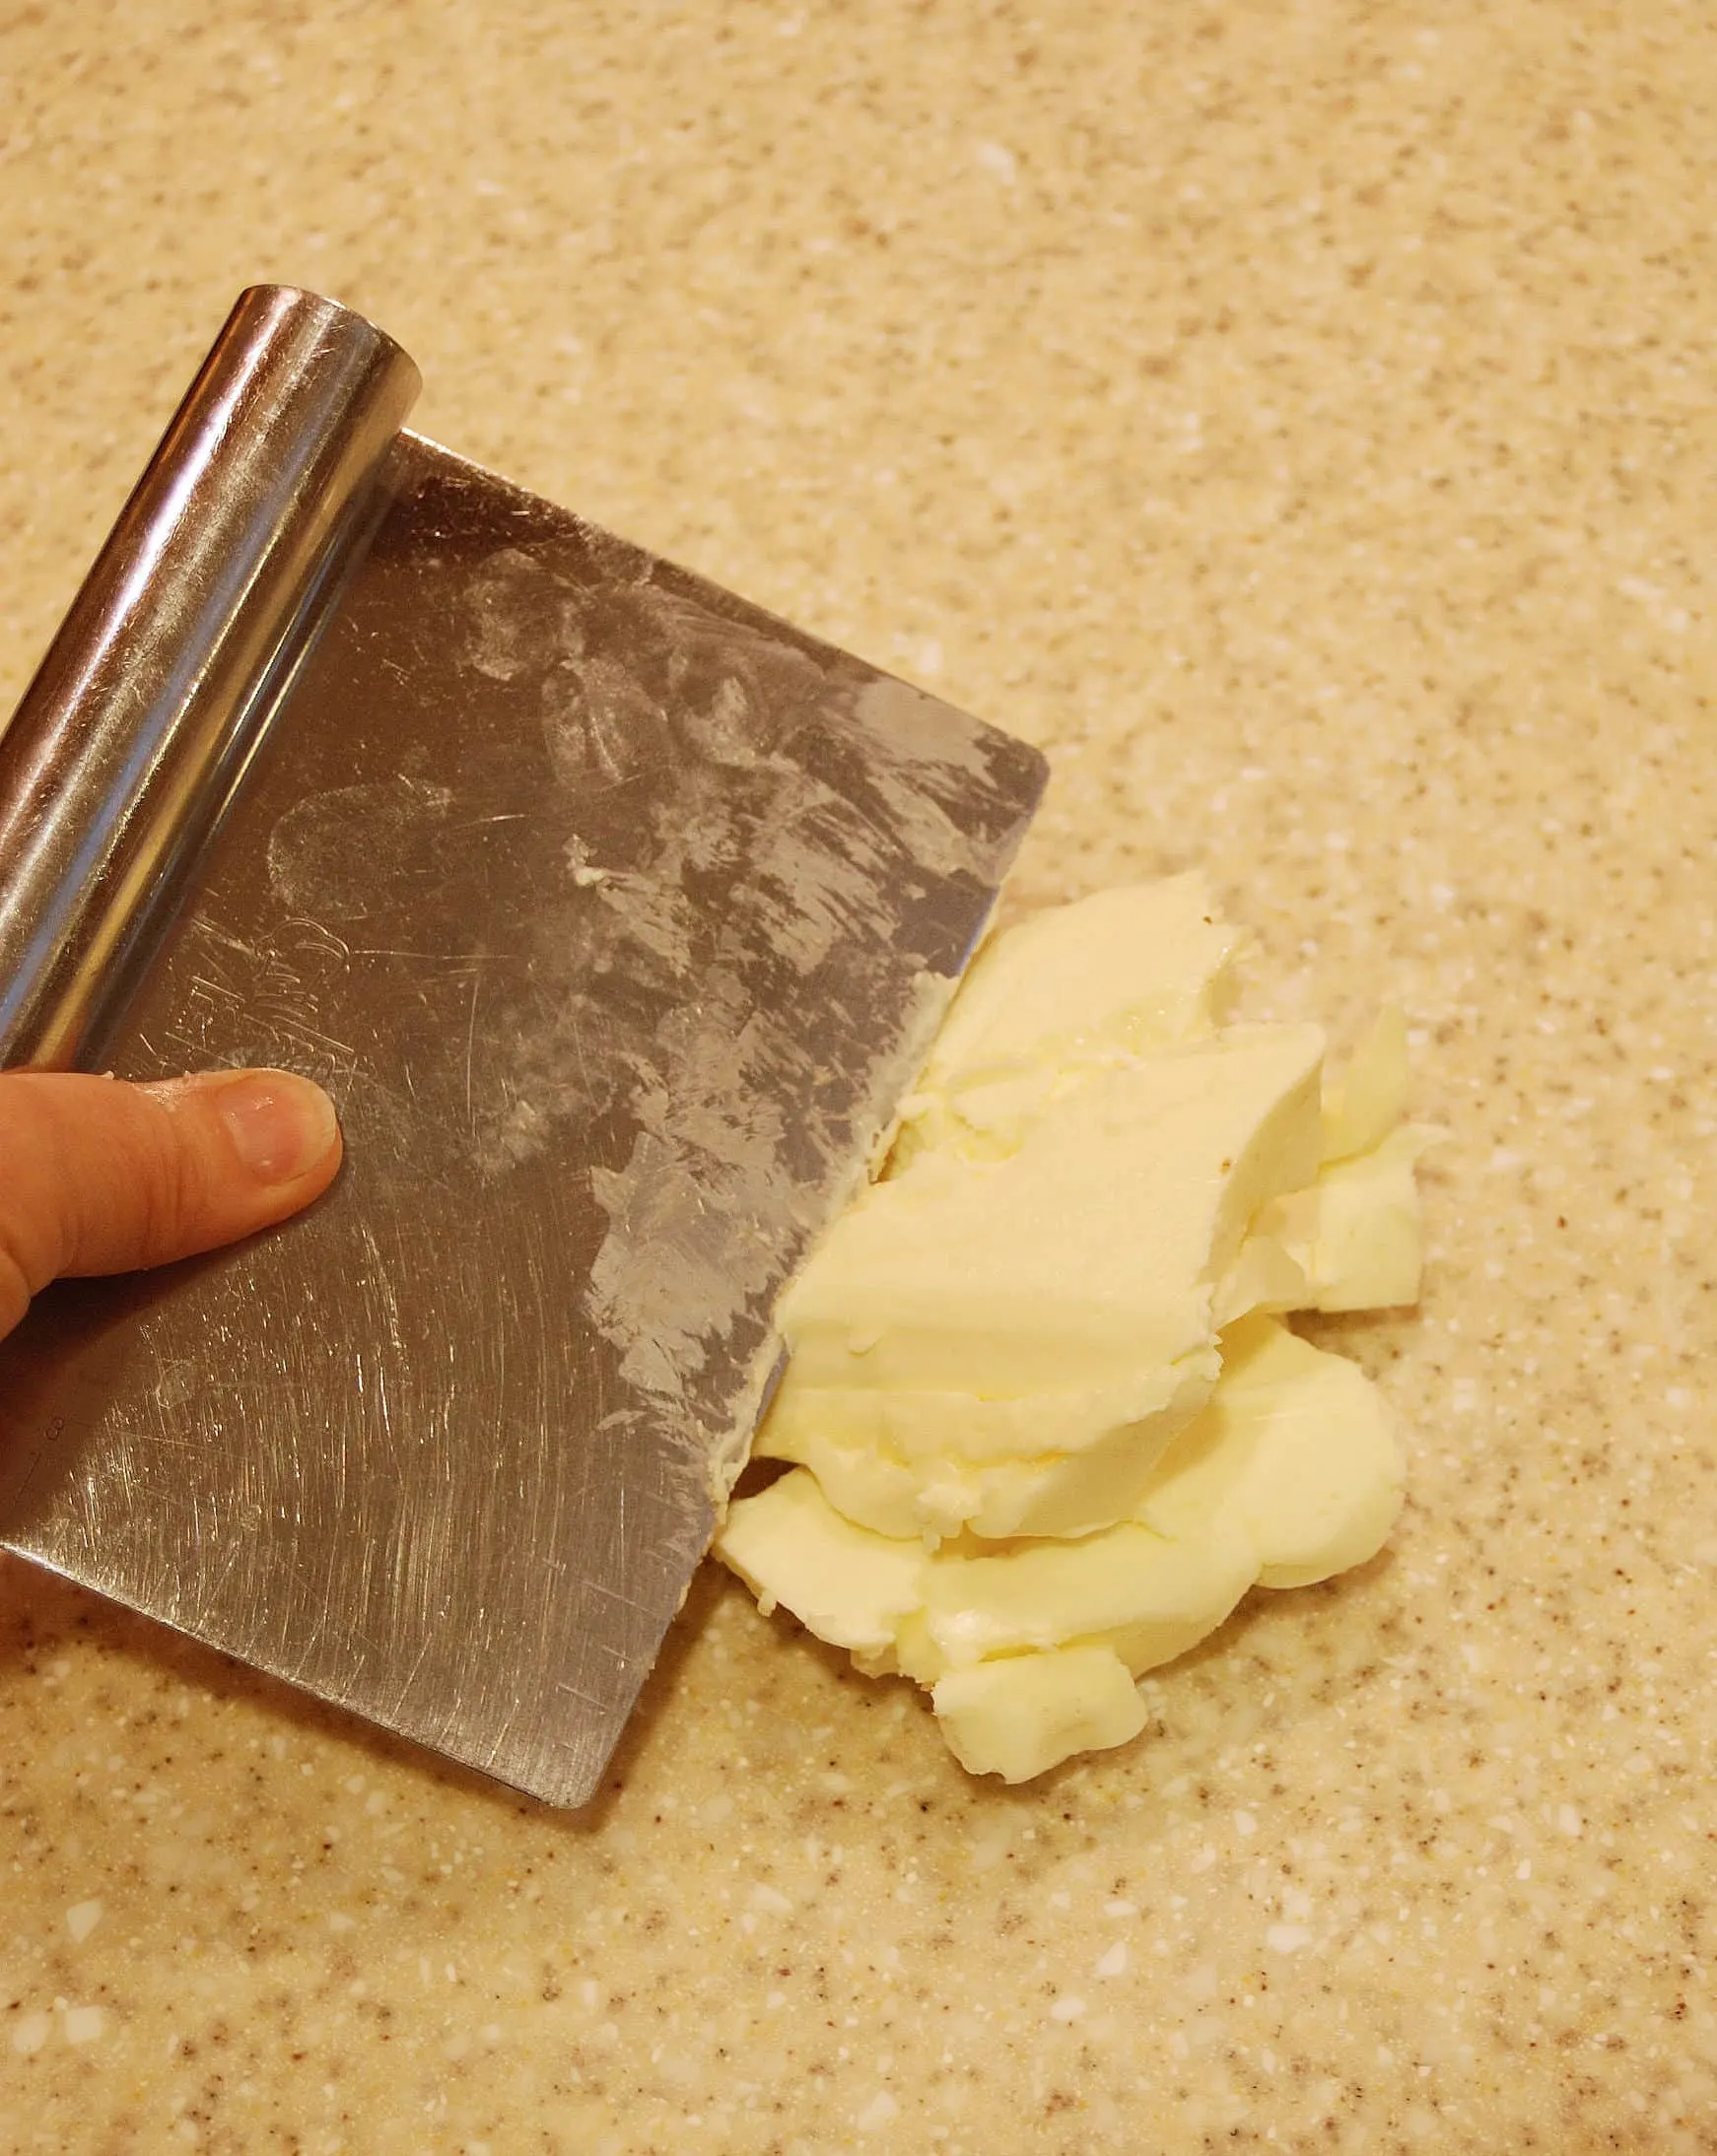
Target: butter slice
[1296,1453]
[936,1465]
[849,1586]
[1145,1595]
[1084,1256]
[1075,1274]
[1115,973]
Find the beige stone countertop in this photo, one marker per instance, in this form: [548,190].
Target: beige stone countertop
[1298,418]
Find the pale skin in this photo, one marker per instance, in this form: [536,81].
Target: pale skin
[100,1177]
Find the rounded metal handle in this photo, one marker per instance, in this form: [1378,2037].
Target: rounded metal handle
[136,730]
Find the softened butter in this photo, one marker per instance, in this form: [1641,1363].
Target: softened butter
[1044,1425]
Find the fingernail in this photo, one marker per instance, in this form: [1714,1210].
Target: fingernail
[281,1125]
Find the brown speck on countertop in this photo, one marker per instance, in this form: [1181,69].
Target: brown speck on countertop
[1299,422]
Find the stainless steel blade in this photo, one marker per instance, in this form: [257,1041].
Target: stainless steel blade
[617,915]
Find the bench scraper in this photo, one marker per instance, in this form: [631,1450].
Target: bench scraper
[616,914]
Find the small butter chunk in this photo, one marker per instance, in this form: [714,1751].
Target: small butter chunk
[1370,1244]
[1020,1717]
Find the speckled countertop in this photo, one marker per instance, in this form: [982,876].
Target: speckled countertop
[1299,419]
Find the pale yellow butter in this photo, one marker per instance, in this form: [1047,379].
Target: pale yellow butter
[1073,988]
[1046,1436]
[1012,1718]
[1368,1249]
[1297,1451]
[1057,1294]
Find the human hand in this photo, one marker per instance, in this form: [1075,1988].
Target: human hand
[100,1177]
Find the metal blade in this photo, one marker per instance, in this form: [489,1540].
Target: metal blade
[617,915]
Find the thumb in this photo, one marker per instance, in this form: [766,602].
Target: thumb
[100,1177]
